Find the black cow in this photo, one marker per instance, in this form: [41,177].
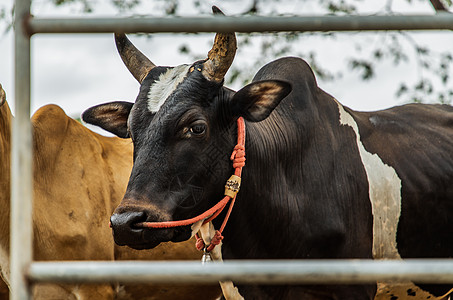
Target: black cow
[321,180]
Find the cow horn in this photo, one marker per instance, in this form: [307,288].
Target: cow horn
[2,95]
[136,62]
[221,55]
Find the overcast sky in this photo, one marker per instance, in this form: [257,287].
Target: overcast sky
[78,71]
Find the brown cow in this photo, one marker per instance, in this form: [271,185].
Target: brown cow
[79,178]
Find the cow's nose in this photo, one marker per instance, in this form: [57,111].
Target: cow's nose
[127,219]
[127,232]
[124,230]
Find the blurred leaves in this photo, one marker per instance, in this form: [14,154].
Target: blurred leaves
[336,7]
[89,6]
[125,5]
[365,67]
[6,19]
[255,50]
[85,4]
[434,67]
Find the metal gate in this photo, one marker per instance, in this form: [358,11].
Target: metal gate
[25,272]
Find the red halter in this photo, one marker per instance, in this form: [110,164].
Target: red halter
[231,189]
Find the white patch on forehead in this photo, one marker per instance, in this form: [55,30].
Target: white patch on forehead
[384,193]
[165,85]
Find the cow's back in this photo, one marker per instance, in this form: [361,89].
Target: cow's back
[77,174]
[417,141]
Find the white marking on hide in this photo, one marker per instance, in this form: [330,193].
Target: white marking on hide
[230,292]
[384,193]
[164,86]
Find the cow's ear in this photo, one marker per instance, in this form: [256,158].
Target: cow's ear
[256,101]
[110,116]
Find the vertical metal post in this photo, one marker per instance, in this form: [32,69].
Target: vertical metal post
[21,170]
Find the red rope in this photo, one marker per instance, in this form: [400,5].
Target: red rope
[216,209]
[238,158]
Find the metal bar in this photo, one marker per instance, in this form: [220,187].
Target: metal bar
[308,272]
[264,272]
[242,24]
[21,155]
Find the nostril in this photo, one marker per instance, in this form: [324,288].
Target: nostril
[127,220]
[128,230]
[124,230]
[137,225]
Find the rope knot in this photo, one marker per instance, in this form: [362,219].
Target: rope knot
[238,156]
[216,239]
[199,244]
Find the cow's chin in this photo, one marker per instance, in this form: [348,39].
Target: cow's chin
[144,246]
[139,245]
[181,234]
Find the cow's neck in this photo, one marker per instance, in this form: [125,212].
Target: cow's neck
[285,192]
[269,145]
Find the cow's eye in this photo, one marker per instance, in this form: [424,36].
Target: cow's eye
[198,129]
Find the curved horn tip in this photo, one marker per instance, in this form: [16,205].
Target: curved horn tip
[136,62]
[120,38]
[120,41]
[217,11]
[119,35]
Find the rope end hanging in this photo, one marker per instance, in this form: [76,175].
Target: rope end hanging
[199,244]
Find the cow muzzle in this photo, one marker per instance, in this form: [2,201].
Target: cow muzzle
[128,232]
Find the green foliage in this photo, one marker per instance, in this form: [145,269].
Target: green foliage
[319,70]
[89,6]
[385,47]
[85,4]
[434,66]
[171,7]
[341,6]
[6,19]
[366,68]
[397,48]
[125,5]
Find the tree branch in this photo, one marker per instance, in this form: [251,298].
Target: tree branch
[438,6]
